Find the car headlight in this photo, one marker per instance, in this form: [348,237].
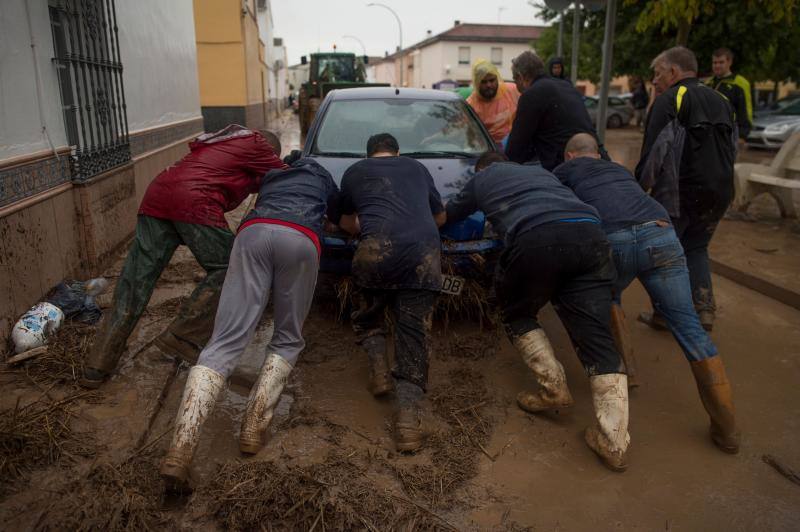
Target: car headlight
[777,129]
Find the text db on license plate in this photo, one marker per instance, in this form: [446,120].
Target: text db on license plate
[452,284]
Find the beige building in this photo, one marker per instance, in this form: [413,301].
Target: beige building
[240,61]
[449,55]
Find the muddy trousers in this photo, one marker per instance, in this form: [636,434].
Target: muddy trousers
[695,231]
[568,264]
[265,257]
[654,255]
[152,248]
[411,312]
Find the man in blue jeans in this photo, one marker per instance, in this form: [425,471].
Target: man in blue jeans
[645,246]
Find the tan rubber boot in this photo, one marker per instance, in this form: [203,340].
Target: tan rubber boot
[622,339]
[609,437]
[715,392]
[538,354]
[380,378]
[203,386]
[408,434]
[262,401]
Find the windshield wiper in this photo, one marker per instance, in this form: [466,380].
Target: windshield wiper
[347,154]
[445,154]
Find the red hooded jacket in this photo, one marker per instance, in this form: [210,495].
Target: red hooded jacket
[219,172]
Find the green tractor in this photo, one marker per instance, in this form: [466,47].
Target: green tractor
[327,72]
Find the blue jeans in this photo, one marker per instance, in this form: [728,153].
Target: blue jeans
[654,255]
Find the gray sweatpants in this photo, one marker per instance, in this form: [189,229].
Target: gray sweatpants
[264,256]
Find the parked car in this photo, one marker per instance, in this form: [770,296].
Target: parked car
[777,106]
[619,111]
[435,127]
[771,131]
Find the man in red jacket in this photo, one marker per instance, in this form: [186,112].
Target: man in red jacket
[185,204]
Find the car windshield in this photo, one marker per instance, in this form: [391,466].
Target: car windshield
[793,109]
[335,68]
[441,128]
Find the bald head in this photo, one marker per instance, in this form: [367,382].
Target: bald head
[581,145]
[272,139]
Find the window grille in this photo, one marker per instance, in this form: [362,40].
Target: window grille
[86,45]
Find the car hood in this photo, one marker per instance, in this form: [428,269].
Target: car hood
[449,175]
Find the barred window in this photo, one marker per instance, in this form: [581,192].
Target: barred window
[86,47]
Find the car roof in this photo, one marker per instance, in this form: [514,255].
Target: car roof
[369,93]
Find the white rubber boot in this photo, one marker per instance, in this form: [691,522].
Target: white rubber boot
[203,386]
[261,405]
[609,436]
[538,354]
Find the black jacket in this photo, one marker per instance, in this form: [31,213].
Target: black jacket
[549,113]
[733,87]
[689,149]
[300,195]
[516,198]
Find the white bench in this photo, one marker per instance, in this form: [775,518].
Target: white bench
[779,179]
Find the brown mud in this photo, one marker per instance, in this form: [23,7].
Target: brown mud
[330,463]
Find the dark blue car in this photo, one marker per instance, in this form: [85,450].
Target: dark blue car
[435,127]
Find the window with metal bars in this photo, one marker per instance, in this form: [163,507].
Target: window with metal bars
[86,46]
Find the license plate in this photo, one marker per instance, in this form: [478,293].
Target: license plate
[452,284]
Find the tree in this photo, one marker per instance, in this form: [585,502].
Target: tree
[763,34]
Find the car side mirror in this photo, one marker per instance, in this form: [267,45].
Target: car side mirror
[303,60]
[293,156]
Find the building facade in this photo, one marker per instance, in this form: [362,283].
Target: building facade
[450,55]
[96,98]
[239,62]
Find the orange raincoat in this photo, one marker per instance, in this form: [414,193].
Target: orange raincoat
[498,113]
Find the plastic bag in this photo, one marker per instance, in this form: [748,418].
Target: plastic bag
[77,299]
[35,326]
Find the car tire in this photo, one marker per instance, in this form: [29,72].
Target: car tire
[614,121]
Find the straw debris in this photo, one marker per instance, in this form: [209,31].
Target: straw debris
[37,435]
[334,495]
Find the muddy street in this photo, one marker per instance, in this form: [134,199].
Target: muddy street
[73,459]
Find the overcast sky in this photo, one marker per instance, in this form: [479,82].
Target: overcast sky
[311,25]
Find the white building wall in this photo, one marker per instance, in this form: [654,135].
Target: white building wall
[20,123]
[448,59]
[159,57]
[298,74]
[385,72]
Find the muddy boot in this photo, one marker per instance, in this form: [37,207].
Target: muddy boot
[103,356]
[609,437]
[380,379]
[538,354]
[654,320]
[261,404]
[715,392]
[203,386]
[622,339]
[171,345]
[706,319]
[192,327]
[408,435]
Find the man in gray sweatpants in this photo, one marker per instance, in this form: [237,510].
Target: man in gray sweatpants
[277,248]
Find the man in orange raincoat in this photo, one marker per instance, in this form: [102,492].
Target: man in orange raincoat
[493,100]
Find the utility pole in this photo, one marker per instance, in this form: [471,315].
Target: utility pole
[576,26]
[608,53]
[560,45]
